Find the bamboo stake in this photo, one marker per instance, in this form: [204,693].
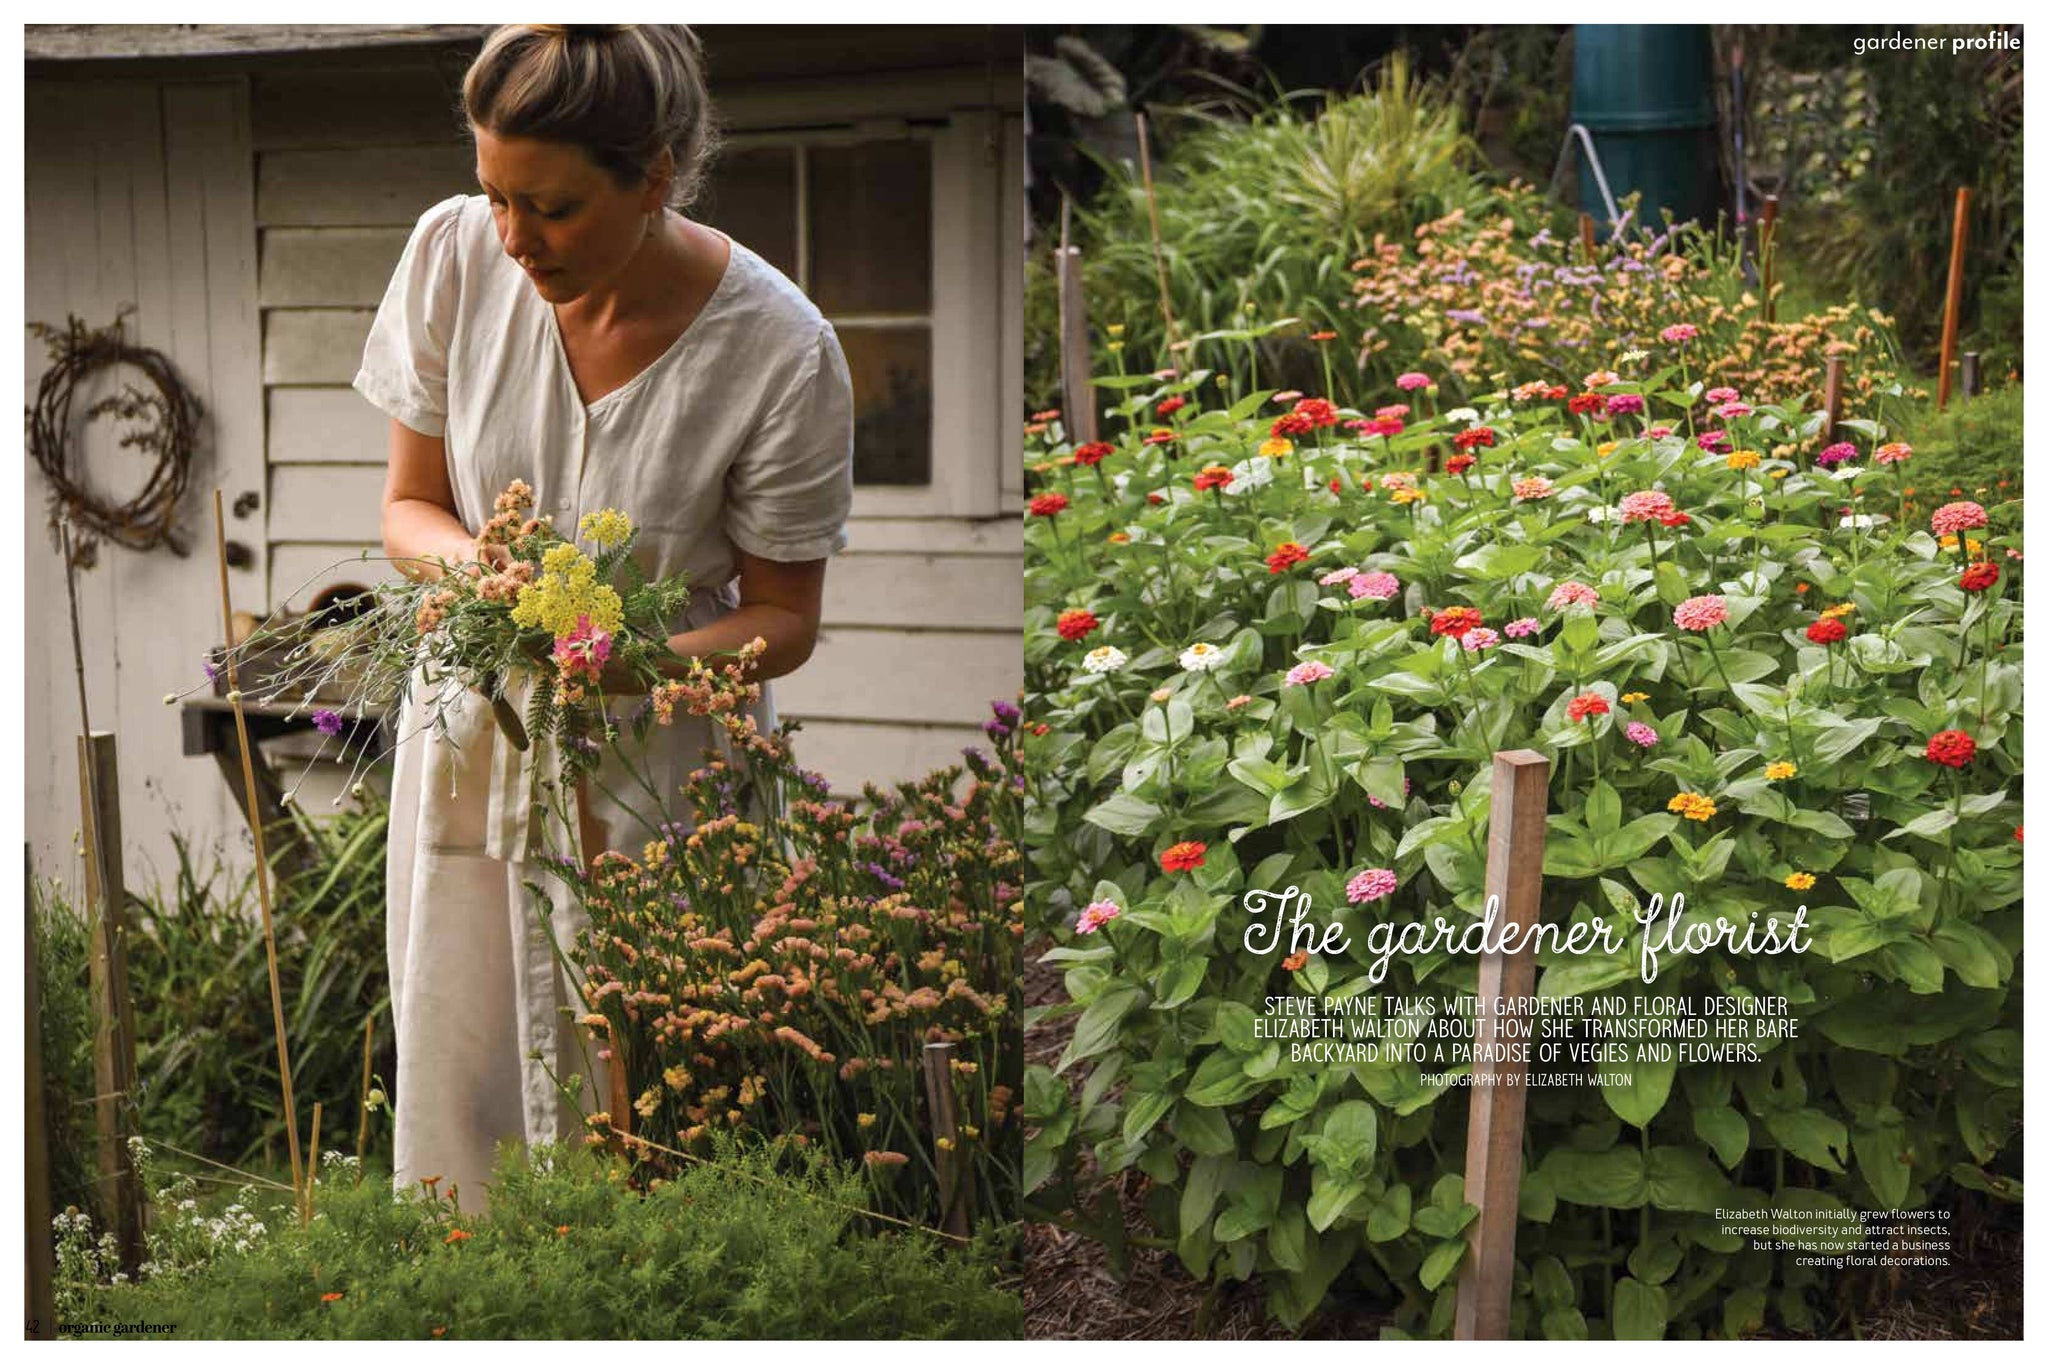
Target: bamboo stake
[1951,313]
[284,1060]
[1767,238]
[1493,1143]
[38,1262]
[1158,246]
[105,898]
[363,1098]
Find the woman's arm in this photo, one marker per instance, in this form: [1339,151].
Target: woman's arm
[420,525]
[780,603]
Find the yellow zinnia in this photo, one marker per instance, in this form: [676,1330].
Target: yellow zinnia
[1276,447]
[1779,772]
[1800,881]
[1744,459]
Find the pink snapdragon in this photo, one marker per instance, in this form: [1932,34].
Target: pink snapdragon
[583,651]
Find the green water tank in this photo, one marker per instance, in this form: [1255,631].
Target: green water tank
[1646,94]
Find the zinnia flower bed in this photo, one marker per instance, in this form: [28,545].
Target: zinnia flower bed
[777,963]
[1758,685]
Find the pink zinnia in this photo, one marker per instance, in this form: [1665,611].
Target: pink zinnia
[1286,395]
[1096,915]
[583,651]
[1893,452]
[1952,517]
[1571,592]
[1526,625]
[1657,433]
[1841,452]
[1478,639]
[1640,733]
[1534,488]
[1624,404]
[1375,883]
[1302,674]
[1732,409]
[1393,412]
[1724,394]
[1679,332]
[1336,576]
[1378,586]
[1701,613]
[1652,504]
[1411,381]
[1716,441]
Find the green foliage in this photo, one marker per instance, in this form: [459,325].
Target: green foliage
[759,1244]
[1744,763]
[1974,446]
[62,953]
[199,978]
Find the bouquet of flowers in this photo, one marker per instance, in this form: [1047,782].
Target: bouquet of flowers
[544,606]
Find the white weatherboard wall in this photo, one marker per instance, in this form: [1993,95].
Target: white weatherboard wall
[139,193]
[922,612]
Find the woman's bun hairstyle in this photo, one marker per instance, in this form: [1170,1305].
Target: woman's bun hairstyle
[624,93]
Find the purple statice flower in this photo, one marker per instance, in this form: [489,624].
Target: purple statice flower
[995,729]
[327,722]
[1470,316]
[1005,712]
[887,879]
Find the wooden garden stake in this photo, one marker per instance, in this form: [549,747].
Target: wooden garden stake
[1586,236]
[38,1262]
[1831,399]
[1767,248]
[113,1042]
[1972,374]
[1951,313]
[1158,246]
[363,1099]
[1077,391]
[312,1167]
[956,1172]
[284,1059]
[1493,1144]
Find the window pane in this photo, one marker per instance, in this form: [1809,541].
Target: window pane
[751,197]
[892,403]
[871,228]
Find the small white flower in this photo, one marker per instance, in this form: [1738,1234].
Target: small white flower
[1201,657]
[1462,415]
[1104,659]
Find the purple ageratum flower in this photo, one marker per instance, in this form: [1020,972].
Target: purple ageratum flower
[327,722]
[1841,452]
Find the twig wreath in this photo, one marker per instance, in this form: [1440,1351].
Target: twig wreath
[166,423]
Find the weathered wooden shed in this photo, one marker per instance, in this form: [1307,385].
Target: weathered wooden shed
[246,190]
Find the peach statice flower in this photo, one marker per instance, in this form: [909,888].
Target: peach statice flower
[1096,915]
[1572,593]
[1310,671]
[1374,883]
[1378,586]
[1701,613]
[1640,733]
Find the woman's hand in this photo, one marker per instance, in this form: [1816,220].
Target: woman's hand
[485,560]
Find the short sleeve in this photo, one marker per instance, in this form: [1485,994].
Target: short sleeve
[405,361]
[789,492]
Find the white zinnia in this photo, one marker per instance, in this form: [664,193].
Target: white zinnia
[1104,659]
[1201,657]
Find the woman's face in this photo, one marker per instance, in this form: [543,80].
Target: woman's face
[559,215]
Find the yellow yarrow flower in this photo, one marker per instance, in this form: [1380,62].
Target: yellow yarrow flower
[566,591]
[1800,881]
[1779,772]
[605,528]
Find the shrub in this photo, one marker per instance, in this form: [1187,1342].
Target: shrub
[1258,721]
[758,1244]
[63,950]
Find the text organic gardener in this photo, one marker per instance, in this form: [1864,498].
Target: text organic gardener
[1663,934]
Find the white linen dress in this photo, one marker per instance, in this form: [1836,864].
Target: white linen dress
[740,434]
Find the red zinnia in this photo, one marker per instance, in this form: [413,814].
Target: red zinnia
[1049,504]
[1320,412]
[1952,749]
[1292,424]
[1171,405]
[1473,436]
[1676,518]
[1460,462]
[1289,554]
[1587,704]
[1455,621]
[1183,857]
[1587,403]
[1163,437]
[1077,623]
[1215,476]
[1092,453]
[1827,631]
[1979,576]
[1556,391]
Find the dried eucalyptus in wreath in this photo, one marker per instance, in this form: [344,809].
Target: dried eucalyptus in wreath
[165,423]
